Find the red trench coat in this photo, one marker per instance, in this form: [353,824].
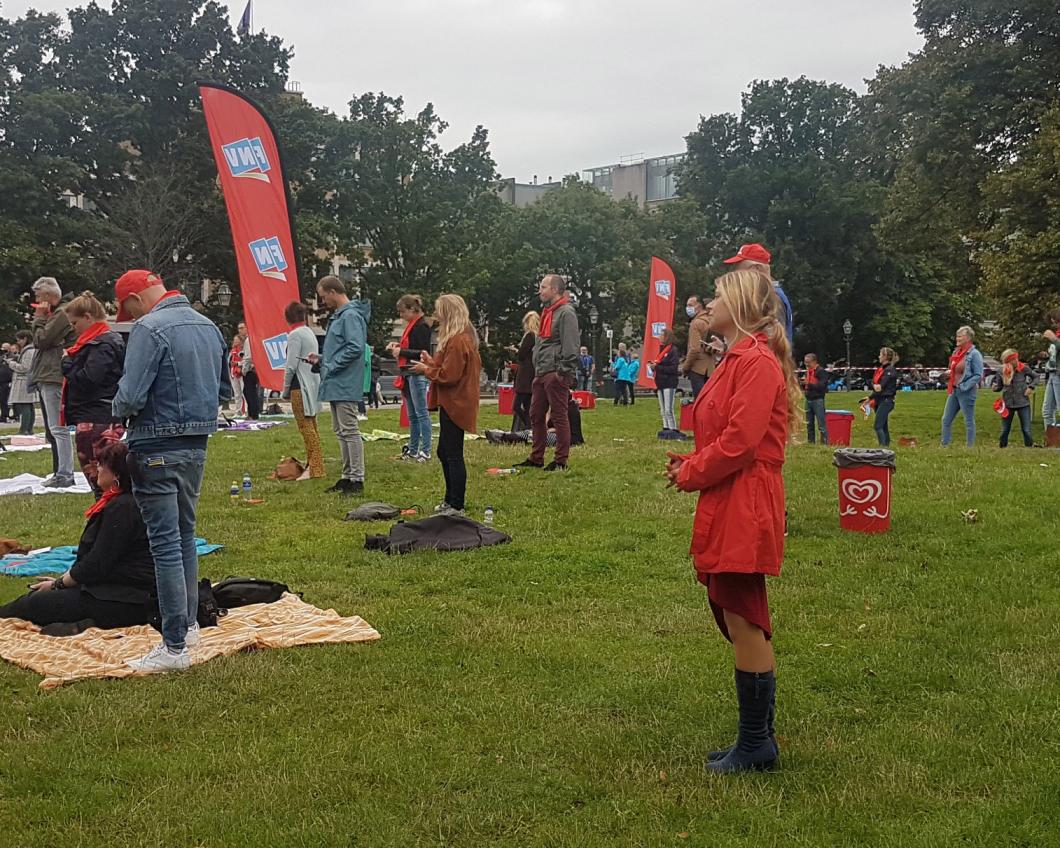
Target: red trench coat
[741,429]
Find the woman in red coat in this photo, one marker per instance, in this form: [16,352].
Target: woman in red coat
[743,417]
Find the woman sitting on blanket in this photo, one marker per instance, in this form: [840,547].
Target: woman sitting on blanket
[113,576]
[526,437]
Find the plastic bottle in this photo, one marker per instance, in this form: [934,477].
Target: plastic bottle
[233,493]
[489,515]
[502,472]
[246,486]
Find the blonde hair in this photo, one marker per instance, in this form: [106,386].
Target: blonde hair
[1008,371]
[86,304]
[453,319]
[892,357]
[531,322]
[756,308]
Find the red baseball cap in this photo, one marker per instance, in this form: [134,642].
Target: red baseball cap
[750,253]
[130,283]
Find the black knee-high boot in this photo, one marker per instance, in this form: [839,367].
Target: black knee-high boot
[714,756]
[754,748]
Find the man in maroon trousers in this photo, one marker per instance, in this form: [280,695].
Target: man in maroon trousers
[555,369]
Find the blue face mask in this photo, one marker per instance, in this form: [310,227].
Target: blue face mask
[690,311]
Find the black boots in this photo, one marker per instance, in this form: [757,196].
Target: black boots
[756,747]
[713,756]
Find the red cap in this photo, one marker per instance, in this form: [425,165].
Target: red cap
[130,283]
[750,253]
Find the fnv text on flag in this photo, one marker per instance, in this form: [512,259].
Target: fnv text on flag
[662,290]
[250,167]
[247,158]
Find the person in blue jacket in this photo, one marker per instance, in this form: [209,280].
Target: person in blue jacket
[634,372]
[620,371]
[966,373]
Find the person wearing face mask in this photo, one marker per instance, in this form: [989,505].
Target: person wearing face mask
[699,363]
[555,370]
[91,367]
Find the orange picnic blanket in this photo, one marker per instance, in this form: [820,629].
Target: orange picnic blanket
[102,653]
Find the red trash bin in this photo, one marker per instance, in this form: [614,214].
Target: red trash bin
[839,423]
[403,421]
[686,422]
[585,400]
[865,488]
[505,399]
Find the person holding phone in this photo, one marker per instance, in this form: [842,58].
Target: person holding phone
[415,341]
[52,333]
[301,383]
[743,419]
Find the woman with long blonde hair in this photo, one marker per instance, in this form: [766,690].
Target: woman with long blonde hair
[454,374]
[743,420]
[524,375]
[1015,381]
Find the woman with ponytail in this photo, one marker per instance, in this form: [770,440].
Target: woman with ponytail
[884,390]
[1015,381]
[743,420]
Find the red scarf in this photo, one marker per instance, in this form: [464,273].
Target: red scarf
[957,362]
[811,376]
[101,504]
[399,380]
[93,332]
[546,316]
[662,353]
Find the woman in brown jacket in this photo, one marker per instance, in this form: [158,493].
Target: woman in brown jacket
[454,375]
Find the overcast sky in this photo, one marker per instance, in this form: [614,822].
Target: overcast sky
[564,85]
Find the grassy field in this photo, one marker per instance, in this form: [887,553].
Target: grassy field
[564,690]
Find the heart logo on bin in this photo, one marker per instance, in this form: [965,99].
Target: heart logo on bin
[862,491]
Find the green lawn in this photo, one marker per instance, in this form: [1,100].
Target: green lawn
[564,689]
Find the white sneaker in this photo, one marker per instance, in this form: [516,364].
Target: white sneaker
[362,417]
[423,457]
[161,659]
[193,637]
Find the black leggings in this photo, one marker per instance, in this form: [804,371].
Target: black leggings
[252,394]
[451,454]
[521,411]
[73,604]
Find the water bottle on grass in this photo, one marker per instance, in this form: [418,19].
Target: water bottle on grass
[246,486]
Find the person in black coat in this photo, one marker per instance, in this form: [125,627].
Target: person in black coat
[815,387]
[92,368]
[524,372]
[665,372]
[112,580]
[884,390]
[6,376]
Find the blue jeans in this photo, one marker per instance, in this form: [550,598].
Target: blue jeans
[166,485]
[964,403]
[419,418]
[1051,406]
[815,415]
[51,402]
[1024,413]
[883,414]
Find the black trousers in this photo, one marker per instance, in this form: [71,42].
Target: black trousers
[451,454]
[252,394]
[521,411]
[73,604]
[5,393]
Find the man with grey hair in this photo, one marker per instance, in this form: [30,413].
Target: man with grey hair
[555,370]
[52,333]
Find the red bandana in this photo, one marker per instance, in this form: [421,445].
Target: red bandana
[101,504]
[546,316]
[399,380]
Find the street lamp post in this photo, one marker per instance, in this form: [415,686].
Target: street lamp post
[848,332]
[594,316]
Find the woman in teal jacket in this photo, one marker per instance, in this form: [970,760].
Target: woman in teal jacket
[620,370]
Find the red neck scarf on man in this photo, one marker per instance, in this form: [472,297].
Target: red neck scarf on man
[811,376]
[399,380]
[957,364]
[93,332]
[547,313]
[101,504]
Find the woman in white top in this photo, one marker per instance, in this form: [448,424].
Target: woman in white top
[301,384]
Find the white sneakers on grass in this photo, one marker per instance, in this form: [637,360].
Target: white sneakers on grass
[161,659]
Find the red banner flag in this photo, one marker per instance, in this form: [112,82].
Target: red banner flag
[662,290]
[256,194]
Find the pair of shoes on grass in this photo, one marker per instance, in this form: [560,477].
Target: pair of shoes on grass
[346,488]
[552,466]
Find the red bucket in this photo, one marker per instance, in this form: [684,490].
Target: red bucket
[505,399]
[585,400]
[839,425]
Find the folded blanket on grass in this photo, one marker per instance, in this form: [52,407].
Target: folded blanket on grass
[102,653]
[252,426]
[57,560]
[30,484]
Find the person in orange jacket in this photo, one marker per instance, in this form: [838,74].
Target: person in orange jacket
[742,421]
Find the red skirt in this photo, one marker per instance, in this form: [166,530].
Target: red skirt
[741,594]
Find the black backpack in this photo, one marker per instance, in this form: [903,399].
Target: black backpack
[207,615]
[242,591]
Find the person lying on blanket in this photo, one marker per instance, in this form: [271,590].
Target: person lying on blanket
[526,437]
[112,579]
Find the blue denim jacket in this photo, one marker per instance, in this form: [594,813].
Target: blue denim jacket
[176,374]
[973,373]
[342,360]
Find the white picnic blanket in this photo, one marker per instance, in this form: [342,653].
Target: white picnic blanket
[25,448]
[30,484]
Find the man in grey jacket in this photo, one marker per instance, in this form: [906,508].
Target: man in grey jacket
[555,369]
[52,333]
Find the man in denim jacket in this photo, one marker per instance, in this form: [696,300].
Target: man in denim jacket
[176,375]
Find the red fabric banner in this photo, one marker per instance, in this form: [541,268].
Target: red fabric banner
[256,196]
[662,292]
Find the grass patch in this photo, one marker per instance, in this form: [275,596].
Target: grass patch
[564,690]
